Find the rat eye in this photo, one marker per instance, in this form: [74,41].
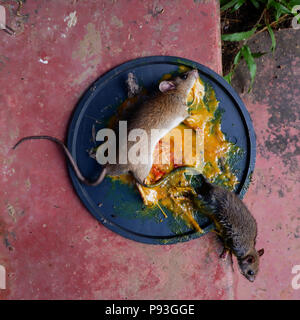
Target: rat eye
[184,76]
[250,273]
[250,260]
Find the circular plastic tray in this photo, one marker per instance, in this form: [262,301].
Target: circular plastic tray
[118,205]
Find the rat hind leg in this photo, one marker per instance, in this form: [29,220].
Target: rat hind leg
[225,254]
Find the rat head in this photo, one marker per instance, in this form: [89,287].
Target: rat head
[250,263]
[182,84]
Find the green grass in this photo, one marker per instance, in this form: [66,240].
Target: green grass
[273,12]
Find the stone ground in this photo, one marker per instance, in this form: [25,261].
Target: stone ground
[50,246]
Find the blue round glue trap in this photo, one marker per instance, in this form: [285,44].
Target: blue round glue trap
[119,206]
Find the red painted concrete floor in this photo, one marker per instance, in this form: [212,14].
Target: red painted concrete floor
[50,246]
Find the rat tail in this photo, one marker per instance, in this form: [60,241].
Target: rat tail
[70,158]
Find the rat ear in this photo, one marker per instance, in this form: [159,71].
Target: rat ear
[261,252]
[166,86]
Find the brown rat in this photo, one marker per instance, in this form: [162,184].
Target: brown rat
[234,223]
[164,111]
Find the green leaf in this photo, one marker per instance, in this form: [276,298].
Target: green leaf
[271,32]
[237,58]
[238,5]
[293,3]
[229,5]
[255,3]
[290,4]
[228,77]
[286,4]
[238,36]
[246,52]
[279,9]
[270,3]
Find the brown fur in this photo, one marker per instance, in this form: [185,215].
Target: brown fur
[165,110]
[235,224]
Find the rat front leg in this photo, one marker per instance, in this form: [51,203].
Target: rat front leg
[224,253]
[217,232]
[132,85]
